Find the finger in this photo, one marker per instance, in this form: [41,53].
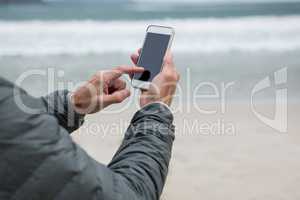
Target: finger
[118,84]
[168,59]
[116,97]
[117,72]
[134,58]
[131,70]
[139,51]
[168,62]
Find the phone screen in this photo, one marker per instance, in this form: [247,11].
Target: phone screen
[152,55]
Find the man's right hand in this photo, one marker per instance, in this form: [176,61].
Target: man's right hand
[163,86]
[103,89]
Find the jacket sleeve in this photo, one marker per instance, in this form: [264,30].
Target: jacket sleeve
[140,165]
[58,104]
[40,161]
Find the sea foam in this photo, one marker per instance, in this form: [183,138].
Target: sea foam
[208,35]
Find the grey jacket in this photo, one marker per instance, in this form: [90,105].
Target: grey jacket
[39,160]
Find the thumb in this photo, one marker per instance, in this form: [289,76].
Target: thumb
[116,97]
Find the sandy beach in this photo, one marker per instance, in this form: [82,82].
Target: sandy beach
[255,162]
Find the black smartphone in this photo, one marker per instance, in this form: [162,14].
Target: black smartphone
[157,42]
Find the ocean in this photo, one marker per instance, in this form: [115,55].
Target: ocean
[217,42]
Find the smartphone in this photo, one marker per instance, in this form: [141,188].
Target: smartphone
[157,42]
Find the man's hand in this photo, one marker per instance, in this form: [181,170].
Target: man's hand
[163,85]
[103,89]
